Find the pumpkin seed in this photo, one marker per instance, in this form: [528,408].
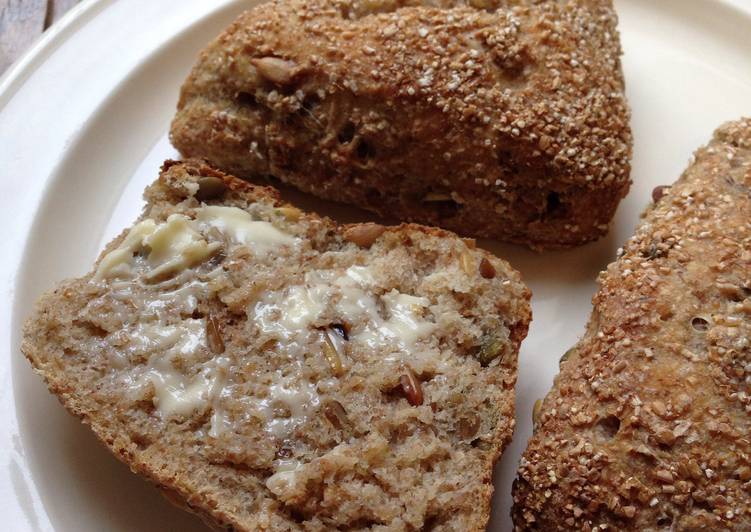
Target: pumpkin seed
[210,188]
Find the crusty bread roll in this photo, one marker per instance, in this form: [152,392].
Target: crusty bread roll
[647,426]
[271,370]
[499,119]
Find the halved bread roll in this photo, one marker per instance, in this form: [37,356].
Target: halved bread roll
[271,370]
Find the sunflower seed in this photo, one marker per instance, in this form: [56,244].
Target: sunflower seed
[214,335]
[486,269]
[331,353]
[364,234]
[411,387]
[275,69]
[210,188]
[335,413]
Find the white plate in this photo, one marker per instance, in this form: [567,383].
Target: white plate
[83,119]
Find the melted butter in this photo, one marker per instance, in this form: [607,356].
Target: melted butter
[406,323]
[300,399]
[302,306]
[169,347]
[288,316]
[220,418]
[173,349]
[242,229]
[175,245]
[183,300]
[182,340]
[178,243]
[180,383]
[118,263]
[293,313]
[354,302]
[362,275]
[174,394]
[220,421]
[284,478]
[287,464]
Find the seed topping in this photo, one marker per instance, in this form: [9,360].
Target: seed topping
[214,335]
[364,235]
[411,387]
[276,70]
[487,270]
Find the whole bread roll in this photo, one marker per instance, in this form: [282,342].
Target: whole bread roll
[499,119]
[647,426]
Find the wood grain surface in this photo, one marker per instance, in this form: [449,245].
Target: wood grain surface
[23,21]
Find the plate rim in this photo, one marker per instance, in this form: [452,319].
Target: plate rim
[11,83]
[19,71]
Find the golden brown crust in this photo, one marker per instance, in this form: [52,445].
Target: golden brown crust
[495,119]
[227,487]
[647,426]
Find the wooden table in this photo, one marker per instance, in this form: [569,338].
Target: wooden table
[23,21]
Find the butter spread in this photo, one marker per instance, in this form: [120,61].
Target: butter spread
[174,366]
[327,298]
[118,262]
[178,370]
[360,274]
[406,324]
[285,476]
[168,348]
[297,396]
[175,245]
[181,243]
[183,300]
[288,316]
[181,340]
[174,394]
[242,229]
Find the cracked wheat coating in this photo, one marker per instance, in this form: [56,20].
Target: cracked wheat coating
[647,426]
[500,119]
[271,370]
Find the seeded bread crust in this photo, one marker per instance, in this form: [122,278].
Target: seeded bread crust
[495,119]
[374,451]
[647,425]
